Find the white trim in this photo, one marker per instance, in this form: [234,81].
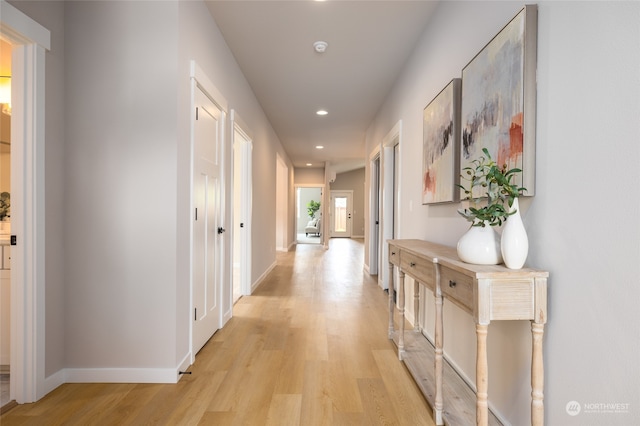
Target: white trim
[199,80]
[121,375]
[18,28]
[183,366]
[373,266]
[387,168]
[208,87]
[54,380]
[331,221]
[282,199]
[246,197]
[262,277]
[29,41]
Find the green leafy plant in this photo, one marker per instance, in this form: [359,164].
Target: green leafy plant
[312,208]
[5,204]
[496,189]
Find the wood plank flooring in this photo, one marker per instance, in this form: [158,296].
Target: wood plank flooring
[309,347]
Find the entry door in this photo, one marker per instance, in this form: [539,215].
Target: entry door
[207,238]
[341,213]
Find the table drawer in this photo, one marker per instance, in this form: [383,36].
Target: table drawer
[457,287]
[394,255]
[420,269]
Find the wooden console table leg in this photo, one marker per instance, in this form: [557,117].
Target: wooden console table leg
[391,291]
[482,376]
[438,404]
[401,309]
[416,306]
[537,376]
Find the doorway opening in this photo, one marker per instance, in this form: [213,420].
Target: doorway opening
[5,222]
[309,221]
[341,214]
[29,41]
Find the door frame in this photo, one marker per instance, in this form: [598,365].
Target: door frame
[298,186]
[331,224]
[199,80]
[282,204]
[387,162]
[245,148]
[29,41]
[374,211]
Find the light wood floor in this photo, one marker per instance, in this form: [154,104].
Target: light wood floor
[308,348]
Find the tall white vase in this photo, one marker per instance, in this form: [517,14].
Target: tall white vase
[480,246]
[515,243]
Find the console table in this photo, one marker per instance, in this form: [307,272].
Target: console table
[487,292]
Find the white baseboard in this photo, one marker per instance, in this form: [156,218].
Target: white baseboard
[184,365]
[256,284]
[227,316]
[118,375]
[53,381]
[465,378]
[121,375]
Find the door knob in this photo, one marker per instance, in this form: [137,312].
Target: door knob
[221,230]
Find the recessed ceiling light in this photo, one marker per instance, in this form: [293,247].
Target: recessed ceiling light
[322,112]
[309,164]
[319,146]
[320,46]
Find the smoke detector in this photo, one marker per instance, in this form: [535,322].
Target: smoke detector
[320,46]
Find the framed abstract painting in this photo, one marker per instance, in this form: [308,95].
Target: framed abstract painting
[499,100]
[441,133]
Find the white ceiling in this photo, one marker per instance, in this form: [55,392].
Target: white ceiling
[369,43]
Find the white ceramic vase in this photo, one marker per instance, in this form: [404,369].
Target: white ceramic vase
[515,243]
[480,245]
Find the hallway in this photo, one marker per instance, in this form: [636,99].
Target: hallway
[308,348]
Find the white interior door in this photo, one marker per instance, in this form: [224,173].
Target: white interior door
[374,218]
[207,239]
[341,213]
[242,178]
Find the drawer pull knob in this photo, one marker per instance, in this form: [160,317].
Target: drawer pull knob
[452,283]
[393,253]
[412,264]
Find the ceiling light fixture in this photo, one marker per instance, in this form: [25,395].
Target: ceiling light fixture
[320,46]
[309,164]
[319,146]
[322,112]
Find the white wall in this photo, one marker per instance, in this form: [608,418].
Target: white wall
[313,176]
[120,183]
[582,222]
[117,164]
